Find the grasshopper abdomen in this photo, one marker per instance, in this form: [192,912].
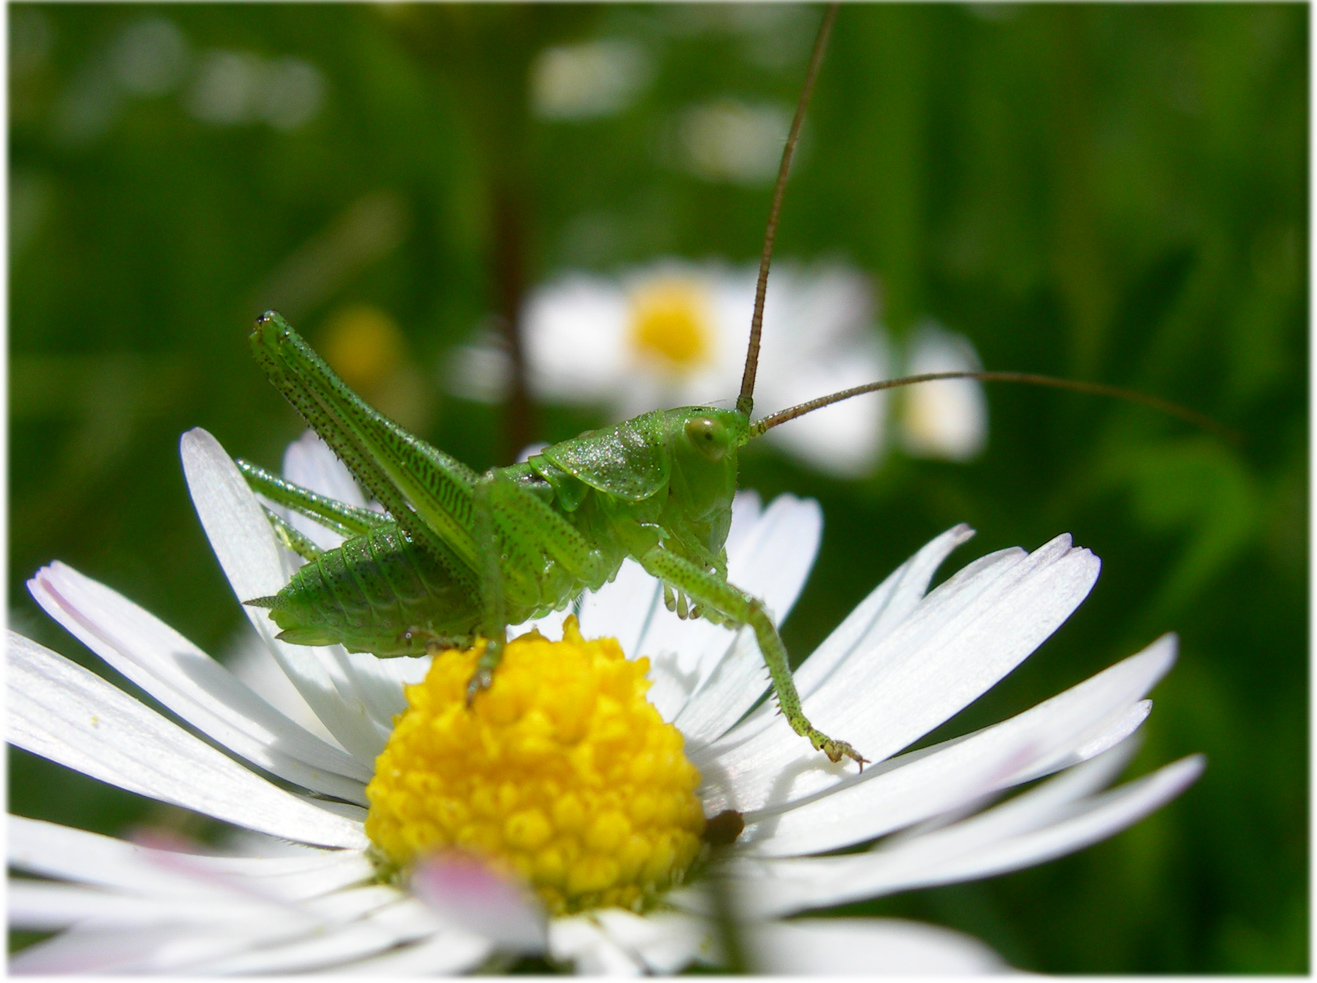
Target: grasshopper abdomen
[377,593]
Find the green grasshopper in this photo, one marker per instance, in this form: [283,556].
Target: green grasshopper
[462,555]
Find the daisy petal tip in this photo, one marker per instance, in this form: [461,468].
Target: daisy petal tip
[202,457]
[1163,652]
[195,442]
[1188,770]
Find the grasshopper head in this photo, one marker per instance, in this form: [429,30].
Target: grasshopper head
[703,442]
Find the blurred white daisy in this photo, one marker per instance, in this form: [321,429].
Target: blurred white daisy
[943,419]
[674,333]
[588,80]
[902,663]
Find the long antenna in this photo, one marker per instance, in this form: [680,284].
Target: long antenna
[745,401]
[1096,388]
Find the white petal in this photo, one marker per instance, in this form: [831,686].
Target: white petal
[844,439]
[1077,724]
[309,462]
[943,419]
[1100,817]
[771,565]
[352,925]
[575,337]
[665,941]
[193,685]
[55,851]
[63,712]
[247,657]
[621,609]
[448,952]
[580,941]
[886,606]
[325,949]
[150,949]
[42,906]
[865,947]
[254,564]
[959,641]
[1045,823]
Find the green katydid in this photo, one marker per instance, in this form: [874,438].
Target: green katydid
[462,555]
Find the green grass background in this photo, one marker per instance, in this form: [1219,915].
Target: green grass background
[1114,193]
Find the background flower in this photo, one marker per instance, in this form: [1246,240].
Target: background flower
[674,334]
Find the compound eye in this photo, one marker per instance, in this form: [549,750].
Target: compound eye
[708,436]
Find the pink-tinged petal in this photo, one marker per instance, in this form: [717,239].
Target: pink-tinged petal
[241,537]
[1079,723]
[61,711]
[467,893]
[957,643]
[866,947]
[193,685]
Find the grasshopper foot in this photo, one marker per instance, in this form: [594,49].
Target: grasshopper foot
[480,680]
[836,750]
[485,665]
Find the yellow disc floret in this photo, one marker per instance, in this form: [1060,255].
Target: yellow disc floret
[561,772]
[672,324]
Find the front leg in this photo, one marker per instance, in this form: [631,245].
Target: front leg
[737,609]
[489,553]
[518,537]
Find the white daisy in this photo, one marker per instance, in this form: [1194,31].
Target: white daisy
[903,662]
[673,333]
[943,419]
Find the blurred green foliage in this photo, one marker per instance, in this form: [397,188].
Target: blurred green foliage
[1115,193]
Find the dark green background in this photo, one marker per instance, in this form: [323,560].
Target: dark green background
[1115,193]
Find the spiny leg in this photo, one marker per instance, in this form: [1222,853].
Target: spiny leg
[402,471]
[738,609]
[292,538]
[346,520]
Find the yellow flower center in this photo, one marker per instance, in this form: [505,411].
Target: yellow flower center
[561,772]
[671,323]
[363,345]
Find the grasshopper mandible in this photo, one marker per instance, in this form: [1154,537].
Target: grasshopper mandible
[462,555]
